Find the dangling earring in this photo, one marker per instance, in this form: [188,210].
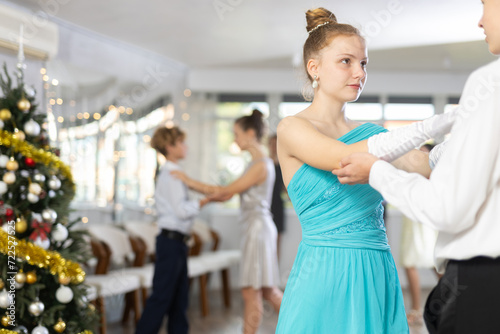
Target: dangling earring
[315,82]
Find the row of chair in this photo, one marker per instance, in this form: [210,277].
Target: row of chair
[125,264]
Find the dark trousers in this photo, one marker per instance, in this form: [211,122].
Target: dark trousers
[466,299]
[170,290]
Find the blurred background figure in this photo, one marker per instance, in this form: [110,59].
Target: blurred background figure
[417,251]
[277,203]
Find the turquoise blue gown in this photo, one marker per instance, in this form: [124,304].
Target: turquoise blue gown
[344,279]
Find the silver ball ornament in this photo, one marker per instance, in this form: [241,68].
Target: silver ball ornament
[54,183]
[38,177]
[21,330]
[3,160]
[32,128]
[40,330]
[36,308]
[60,233]
[64,294]
[5,299]
[45,244]
[3,187]
[32,198]
[49,215]
[29,91]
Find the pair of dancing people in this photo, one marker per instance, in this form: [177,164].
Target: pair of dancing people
[344,279]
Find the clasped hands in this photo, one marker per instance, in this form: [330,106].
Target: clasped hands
[214,193]
[355,168]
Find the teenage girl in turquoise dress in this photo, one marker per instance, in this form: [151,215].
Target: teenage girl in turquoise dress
[344,279]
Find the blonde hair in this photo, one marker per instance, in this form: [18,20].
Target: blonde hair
[322,27]
[164,136]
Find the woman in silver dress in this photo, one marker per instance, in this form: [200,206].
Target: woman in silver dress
[259,262]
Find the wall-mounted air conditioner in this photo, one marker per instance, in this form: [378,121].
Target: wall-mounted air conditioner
[40,37]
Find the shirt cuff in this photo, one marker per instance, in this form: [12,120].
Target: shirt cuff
[380,169]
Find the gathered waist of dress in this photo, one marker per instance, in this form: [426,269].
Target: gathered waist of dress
[368,233]
[372,239]
[254,212]
[261,206]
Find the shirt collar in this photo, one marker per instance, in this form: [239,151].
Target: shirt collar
[171,165]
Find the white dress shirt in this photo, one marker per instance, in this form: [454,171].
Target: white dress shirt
[462,197]
[175,210]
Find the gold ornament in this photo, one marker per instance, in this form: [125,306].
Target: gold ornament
[64,280]
[2,285]
[19,134]
[5,114]
[31,277]
[23,104]
[20,277]
[12,165]
[9,177]
[5,321]
[37,256]
[21,225]
[60,326]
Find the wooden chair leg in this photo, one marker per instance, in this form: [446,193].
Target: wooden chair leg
[128,307]
[144,297]
[226,291]
[203,295]
[101,311]
[137,305]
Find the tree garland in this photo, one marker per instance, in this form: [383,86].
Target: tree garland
[37,256]
[39,155]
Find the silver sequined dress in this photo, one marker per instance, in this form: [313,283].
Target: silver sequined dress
[259,261]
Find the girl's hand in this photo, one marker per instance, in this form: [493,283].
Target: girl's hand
[220,196]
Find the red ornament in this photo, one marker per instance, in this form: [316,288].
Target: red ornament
[9,212]
[42,194]
[40,229]
[30,162]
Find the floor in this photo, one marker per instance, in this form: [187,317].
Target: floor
[222,321]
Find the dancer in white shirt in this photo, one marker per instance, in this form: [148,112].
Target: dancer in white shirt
[461,200]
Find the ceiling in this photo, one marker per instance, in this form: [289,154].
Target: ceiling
[240,33]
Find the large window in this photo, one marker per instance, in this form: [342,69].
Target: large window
[365,109]
[111,160]
[408,108]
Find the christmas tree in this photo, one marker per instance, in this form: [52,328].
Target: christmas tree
[41,281]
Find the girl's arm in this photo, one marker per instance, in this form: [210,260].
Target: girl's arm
[256,174]
[195,185]
[299,139]
[414,161]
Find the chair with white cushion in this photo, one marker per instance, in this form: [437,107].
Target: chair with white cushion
[216,259]
[103,284]
[118,279]
[197,268]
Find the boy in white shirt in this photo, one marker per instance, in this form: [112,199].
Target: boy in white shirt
[175,219]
